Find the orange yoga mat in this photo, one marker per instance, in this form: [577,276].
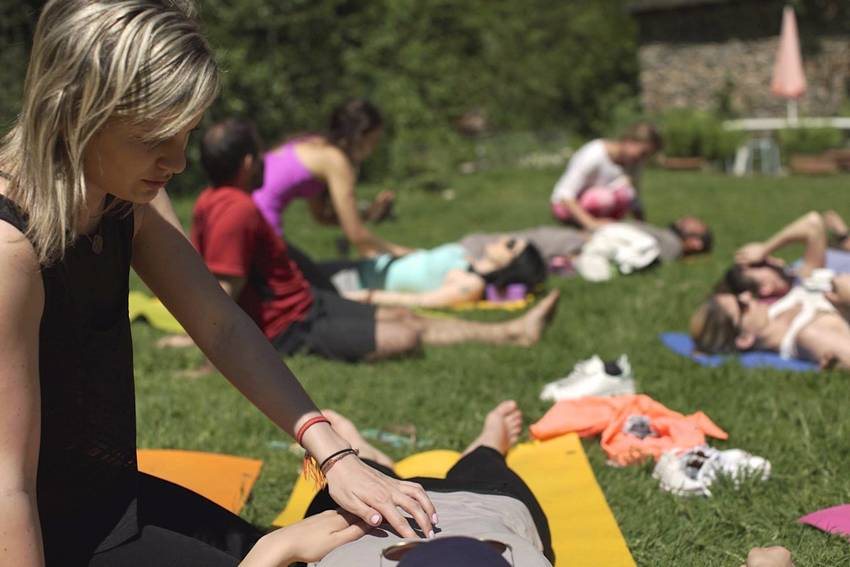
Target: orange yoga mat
[224,479]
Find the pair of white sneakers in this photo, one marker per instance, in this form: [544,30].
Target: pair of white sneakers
[690,472]
[592,377]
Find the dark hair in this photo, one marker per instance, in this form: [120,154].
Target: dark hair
[351,121]
[528,267]
[713,329]
[736,281]
[706,237]
[224,146]
[646,133]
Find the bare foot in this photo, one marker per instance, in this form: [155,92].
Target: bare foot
[530,326]
[348,431]
[501,430]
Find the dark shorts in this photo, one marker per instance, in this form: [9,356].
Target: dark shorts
[334,328]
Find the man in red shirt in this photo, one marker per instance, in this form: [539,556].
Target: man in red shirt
[253,266]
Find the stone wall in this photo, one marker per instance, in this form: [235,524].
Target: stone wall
[700,74]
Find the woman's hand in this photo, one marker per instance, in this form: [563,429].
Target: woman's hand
[375,497]
[751,253]
[307,541]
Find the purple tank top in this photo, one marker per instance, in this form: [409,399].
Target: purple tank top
[285,178]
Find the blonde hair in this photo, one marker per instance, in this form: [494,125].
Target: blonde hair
[144,61]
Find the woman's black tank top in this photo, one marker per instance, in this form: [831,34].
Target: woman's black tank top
[87,470]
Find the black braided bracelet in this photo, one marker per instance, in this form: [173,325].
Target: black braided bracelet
[338,453]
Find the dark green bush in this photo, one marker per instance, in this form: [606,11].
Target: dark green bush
[809,141]
[696,133]
[525,65]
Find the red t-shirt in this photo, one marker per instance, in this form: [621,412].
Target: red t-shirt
[234,240]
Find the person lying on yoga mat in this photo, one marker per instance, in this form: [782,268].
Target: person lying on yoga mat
[757,271]
[481,499]
[443,276]
[601,181]
[253,266]
[322,168]
[803,324]
[685,236]
[113,90]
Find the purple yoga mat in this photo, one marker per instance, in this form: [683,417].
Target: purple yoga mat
[512,292]
[835,520]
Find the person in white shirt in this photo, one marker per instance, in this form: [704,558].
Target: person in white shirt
[601,182]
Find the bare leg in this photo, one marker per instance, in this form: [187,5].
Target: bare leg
[524,330]
[348,431]
[394,338]
[501,430]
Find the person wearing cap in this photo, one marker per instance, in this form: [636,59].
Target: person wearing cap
[487,514]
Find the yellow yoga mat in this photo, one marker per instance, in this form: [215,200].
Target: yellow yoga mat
[584,531]
[150,309]
[224,479]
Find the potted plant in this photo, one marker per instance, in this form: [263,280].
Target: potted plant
[807,149]
[690,139]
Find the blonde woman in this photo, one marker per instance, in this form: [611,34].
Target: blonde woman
[113,89]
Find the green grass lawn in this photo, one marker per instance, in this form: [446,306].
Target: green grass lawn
[798,421]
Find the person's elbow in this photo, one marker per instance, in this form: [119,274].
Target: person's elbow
[815,225]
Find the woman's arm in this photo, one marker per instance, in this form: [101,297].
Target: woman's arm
[169,265]
[335,168]
[808,229]
[307,541]
[21,305]
[582,217]
[459,286]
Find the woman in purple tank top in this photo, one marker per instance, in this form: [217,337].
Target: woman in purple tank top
[323,170]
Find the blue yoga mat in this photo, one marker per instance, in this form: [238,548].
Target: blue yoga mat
[836,260]
[681,344]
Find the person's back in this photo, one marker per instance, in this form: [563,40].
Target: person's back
[234,240]
[285,179]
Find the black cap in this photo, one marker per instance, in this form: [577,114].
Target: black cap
[454,552]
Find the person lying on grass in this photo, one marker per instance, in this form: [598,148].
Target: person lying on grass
[601,183]
[686,236]
[480,499]
[113,90]
[757,271]
[253,266]
[443,276]
[455,273]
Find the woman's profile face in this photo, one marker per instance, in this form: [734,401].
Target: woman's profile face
[503,251]
[367,145]
[120,161]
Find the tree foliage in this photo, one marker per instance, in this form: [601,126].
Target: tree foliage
[531,64]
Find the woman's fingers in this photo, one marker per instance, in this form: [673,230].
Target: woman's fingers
[415,509]
[416,492]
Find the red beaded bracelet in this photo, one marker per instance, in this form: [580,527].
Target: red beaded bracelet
[308,424]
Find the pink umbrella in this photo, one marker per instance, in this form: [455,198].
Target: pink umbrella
[789,80]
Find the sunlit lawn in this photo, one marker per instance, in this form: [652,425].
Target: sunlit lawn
[798,421]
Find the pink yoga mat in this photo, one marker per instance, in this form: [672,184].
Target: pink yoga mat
[835,520]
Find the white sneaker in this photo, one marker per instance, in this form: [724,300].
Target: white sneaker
[592,377]
[691,472]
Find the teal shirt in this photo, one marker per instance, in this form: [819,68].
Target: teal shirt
[424,270]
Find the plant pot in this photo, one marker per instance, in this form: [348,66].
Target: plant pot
[841,156]
[683,163]
[822,164]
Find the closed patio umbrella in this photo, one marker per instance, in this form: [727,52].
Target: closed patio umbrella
[789,80]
